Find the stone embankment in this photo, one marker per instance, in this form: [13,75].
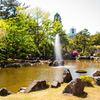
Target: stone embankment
[23,63]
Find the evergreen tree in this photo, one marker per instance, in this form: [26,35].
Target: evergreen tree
[8,8]
[57,17]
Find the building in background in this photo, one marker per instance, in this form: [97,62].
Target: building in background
[72,33]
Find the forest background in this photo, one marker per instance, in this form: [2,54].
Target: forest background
[30,31]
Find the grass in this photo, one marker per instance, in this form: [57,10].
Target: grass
[91,93]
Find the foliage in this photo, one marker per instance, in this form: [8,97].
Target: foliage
[74,54]
[29,34]
[42,29]
[22,55]
[95,39]
[64,41]
[86,53]
[87,80]
[9,8]
[82,40]
[32,32]
[17,39]
[98,54]
[57,17]
[81,53]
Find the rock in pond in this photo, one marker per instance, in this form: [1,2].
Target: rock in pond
[67,77]
[97,80]
[74,87]
[81,71]
[56,63]
[51,63]
[36,85]
[96,73]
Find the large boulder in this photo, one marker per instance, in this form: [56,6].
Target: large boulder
[5,92]
[61,63]
[75,87]
[37,85]
[55,84]
[51,63]
[96,73]
[97,80]
[55,63]
[66,76]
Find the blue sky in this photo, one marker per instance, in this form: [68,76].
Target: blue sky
[79,14]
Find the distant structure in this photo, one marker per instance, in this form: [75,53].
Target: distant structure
[72,33]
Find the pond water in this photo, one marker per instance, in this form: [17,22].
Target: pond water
[14,78]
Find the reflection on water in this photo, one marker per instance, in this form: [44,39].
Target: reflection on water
[14,78]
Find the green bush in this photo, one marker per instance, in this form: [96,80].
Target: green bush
[87,80]
[98,54]
[86,53]
[81,53]
[23,55]
[2,56]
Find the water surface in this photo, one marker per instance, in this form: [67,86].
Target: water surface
[14,78]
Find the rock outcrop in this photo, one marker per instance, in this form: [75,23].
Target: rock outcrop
[97,80]
[96,73]
[55,84]
[66,76]
[5,92]
[36,85]
[75,87]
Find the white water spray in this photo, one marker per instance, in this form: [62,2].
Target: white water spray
[57,49]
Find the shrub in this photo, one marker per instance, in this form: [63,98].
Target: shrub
[81,54]
[86,53]
[1,56]
[23,55]
[98,54]
[87,80]
[74,54]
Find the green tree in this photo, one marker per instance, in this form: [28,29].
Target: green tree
[95,39]
[57,17]
[82,40]
[18,41]
[3,27]
[42,29]
[8,8]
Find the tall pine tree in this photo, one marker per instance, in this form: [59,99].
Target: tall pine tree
[8,8]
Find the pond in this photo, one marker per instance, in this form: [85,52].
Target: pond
[14,78]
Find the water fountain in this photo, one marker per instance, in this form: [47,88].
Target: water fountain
[58,55]
[57,48]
